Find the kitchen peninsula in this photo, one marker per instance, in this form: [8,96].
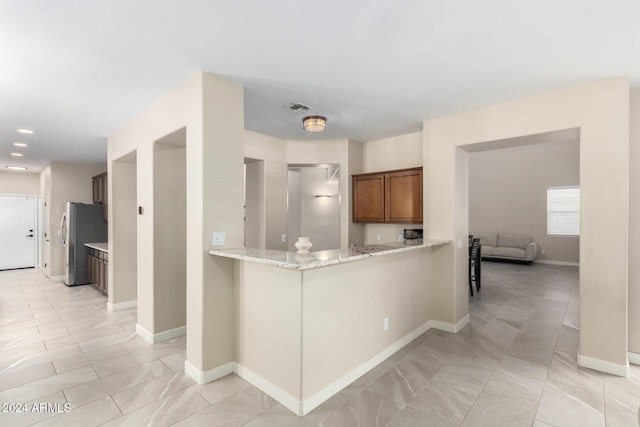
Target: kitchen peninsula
[307,325]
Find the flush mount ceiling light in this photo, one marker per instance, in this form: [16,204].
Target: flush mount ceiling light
[27,131]
[17,168]
[314,123]
[17,154]
[20,144]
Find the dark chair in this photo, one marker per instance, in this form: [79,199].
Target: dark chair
[474,265]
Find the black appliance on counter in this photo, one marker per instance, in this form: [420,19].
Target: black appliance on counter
[412,233]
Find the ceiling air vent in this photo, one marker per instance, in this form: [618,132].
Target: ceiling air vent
[297,107]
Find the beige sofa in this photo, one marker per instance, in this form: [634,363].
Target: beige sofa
[507,247]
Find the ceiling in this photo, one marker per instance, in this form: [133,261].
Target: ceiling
[75,71]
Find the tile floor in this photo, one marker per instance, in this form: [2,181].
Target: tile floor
[515,364]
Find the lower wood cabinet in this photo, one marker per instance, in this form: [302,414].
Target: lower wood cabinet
[97,266]
[388,197]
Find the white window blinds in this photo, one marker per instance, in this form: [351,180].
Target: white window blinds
[563,211]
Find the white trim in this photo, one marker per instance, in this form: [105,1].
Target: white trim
[291,402]
[450,327]
[603,365]
[56,278]
[148,336]
[333,388]
[203,377]
[634,358]
[170,334]
[122,305]
[552,262]
[287,400]
[160,336]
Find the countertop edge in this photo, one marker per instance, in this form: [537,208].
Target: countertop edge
[303,264]
[98,246]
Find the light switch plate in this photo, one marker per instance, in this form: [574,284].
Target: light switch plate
[283,238]
[218,238]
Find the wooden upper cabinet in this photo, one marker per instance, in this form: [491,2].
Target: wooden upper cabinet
[403,190]
[391,197]
[368,198]
[100,188]
[99,183]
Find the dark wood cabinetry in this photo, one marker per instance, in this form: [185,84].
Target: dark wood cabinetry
[100,188]
[388,197]
[100,196]
[97,267]
[368,198]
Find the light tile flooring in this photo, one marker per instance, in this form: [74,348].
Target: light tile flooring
[515,364]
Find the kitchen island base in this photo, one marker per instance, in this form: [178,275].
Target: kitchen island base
[303,334]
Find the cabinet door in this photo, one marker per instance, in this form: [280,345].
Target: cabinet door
[100,188]
[97,187]
[368,198]
[404,197]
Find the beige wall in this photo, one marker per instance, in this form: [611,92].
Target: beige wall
[601,111]
[19,183]
[327,151]
[508,193]
[169,234]
[393,286]
[319,217]
[254,214]
[356,165]
[634,223]
[123,246]
[65,182]
[211,109]
[399,152]
[273,151]
[277,153]
[286,336]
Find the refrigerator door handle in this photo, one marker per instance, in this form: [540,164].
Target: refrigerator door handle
[63,229]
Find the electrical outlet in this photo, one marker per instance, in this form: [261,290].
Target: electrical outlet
[378,237]
[283,238]
[400,238]
[542,252]
[218,238]
[385,324]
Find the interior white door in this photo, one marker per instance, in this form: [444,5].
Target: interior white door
[17,232]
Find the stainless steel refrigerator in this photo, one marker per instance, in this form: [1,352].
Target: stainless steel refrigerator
[81,223]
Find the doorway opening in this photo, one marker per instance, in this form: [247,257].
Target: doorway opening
[170,231]
[122,287]
[313,205]
[254,204]
[507,196]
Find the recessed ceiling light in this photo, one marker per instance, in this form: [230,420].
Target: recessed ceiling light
[17,154]
[17,168]
[20,144]
[28,131]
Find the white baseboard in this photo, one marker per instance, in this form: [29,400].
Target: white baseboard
[290,402]
[450,327]
[634,358]
[122,305]
[603,365]
[160,336]
[203,377]
[56,278]
[303,407]
[329,391]
[552,262]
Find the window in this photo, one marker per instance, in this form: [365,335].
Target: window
[563,211]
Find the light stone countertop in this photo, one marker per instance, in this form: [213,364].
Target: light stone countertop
[102,246]
[295,261]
